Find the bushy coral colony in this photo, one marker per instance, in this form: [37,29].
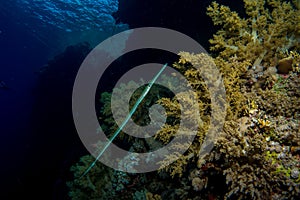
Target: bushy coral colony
[270,29]
[257,152]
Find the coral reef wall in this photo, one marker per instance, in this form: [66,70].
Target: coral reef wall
[256,153]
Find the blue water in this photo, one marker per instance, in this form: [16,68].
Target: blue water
[31,33]
[72,15]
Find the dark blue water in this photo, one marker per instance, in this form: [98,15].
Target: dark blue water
[31,34]
[21,55]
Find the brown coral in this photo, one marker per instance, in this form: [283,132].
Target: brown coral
[259,37]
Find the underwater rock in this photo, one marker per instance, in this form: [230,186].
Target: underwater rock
[285,65]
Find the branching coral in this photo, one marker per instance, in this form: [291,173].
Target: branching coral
[253,164]
[240,156]
[200,77]
[271,26]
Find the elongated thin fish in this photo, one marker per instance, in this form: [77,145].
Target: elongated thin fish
[145,92]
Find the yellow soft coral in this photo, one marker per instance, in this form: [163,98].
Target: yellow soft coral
[270,26]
